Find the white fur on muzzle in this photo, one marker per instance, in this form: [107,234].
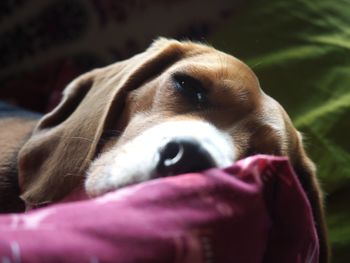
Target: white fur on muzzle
[136,160]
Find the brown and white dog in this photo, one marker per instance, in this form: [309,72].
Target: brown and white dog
[177,107]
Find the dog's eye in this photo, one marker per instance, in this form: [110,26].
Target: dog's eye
[190,88]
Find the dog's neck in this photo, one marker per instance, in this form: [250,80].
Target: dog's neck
[15,129]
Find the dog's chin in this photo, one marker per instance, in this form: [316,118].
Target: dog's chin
[142,158]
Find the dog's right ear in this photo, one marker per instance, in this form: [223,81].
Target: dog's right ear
[53,161]
[44,156]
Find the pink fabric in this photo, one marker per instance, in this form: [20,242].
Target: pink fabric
[253,211]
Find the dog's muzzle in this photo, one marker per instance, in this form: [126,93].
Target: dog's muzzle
[166,149]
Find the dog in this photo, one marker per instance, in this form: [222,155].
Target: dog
[177,107]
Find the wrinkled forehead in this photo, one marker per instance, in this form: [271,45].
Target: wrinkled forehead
[209,63]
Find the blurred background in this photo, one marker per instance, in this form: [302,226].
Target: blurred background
[300,50]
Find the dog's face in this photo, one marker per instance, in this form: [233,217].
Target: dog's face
[203,111]
[177,107]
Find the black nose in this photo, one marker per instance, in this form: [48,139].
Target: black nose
[183,156]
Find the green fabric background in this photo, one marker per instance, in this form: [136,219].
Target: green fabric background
[300,51]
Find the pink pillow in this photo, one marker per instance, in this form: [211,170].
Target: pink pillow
[253,211]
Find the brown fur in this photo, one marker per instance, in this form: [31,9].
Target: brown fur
[16,128]
[133,95]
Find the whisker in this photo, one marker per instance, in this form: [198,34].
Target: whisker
[108,134]
[112,132]
[75,138]
[80,138]
[256,65]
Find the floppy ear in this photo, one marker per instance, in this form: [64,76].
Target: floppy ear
[306,171]
[53,162]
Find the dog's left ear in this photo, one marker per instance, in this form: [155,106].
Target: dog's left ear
[306,171]
[53,162]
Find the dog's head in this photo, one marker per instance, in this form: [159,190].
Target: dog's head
[177,107]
